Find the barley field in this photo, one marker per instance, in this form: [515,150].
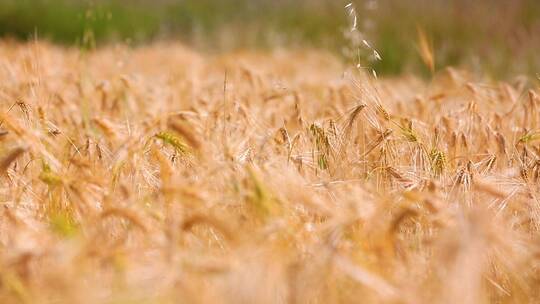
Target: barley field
[159,174]
[260,151]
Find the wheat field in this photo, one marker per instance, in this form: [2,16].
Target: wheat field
[161,175]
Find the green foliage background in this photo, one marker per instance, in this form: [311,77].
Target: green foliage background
[497,36]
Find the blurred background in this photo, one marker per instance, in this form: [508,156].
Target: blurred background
[498,37]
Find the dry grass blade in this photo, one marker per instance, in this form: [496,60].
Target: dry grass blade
[490,188]
[375,143]
[128,215]
[366,278]
[106,127]
[198,219]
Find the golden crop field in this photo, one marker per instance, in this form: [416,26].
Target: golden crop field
[158,174]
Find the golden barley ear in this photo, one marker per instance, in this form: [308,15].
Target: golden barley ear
[425,48]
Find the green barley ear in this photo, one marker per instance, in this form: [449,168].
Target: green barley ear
[186,132]
[48,176]
[438,161]
[12,282]
[528,137]
[260,197]
[173,140]
[63,224]
[407,131]
[322,145]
